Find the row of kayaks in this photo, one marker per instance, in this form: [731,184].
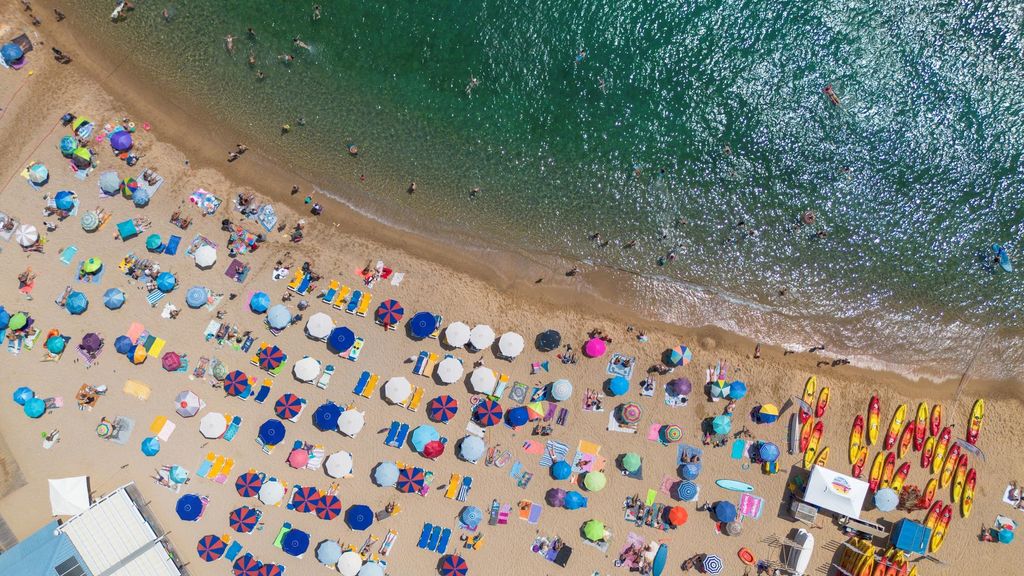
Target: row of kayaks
[860,557]
[806,427]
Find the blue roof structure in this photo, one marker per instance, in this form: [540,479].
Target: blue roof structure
[44,552]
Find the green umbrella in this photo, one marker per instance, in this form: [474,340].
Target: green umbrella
[220,371]
[92,265]
[18,321]
[594,481]
[631,461]
[594,530]
[153,242]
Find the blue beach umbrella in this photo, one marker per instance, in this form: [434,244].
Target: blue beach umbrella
[23,394]
[422,435]
[123,345]
[385,474]
[326,416]
[11,53]
[56,344]
[574,500]
[769,452]
[141,197]
[189,507]
[38,174]
[471,448]
[64,200]
[279,317]
[177,474]
[359,517]
[113,298]
[34,407]
[689,471]
[737,390]
[517,416]
[422,324]
[68,145]
[340,339]
[76,303]
[725,511]
[151,446]
[195,297]
[561,470]
[259,303]
[272,432]
[5,318]
[1005,536]
[153,242]
[295,542]
[721,424]
[687,491]
[166,282]
[471,516]
[618,386]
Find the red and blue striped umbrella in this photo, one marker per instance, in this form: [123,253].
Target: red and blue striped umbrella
[271,570]
[328,507]
[410,480]
[270,357]
[248,484]
[454,566]
[390,312]
[288,406]
[443,408]
[244,519]
[305,498]
[487,413]
[211,547]
[246,566]
[236,383]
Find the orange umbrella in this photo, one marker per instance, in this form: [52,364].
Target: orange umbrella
[677,516]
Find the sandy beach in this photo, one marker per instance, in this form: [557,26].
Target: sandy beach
[460,283]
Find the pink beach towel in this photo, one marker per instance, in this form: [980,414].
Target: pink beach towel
[654,432]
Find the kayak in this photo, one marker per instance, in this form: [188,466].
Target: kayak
[933,515]
[822,459]
[819,410]
[895,426]
[929,492]
[809,387]
[920,426]
[805,434]
[812,445]
[876,471]
[959,477]
[906,439]
[977,415]
[928,452]
[968,500]
[940,449]
[949,466]
[873,417]
[890,466]
[862,459]
[856,437]
[941,525]
[936,419]
[794,432]
[900,477]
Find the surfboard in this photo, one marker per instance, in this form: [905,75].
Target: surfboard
[734,485]
[1004,258]
[794,432]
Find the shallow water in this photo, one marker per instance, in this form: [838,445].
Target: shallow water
[913,176]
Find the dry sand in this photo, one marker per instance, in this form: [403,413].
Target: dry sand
[33,100]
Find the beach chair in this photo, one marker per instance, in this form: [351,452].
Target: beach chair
[440,324]
[234,548]
[285,529]
[414,401]
[435,535]
[339,299]
[442,543]
[357,347]
[325,378]
[366,385]
[392,433]
[364,304]
[467,485]
[403,431]
[331,293]
[454,482]
[232,430]
[296,281]
[353,302]
[425,535]
[421,363]
[222,476]
[428,370]
[247,344]
[205,465]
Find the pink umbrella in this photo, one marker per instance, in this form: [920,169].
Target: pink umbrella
[298,458]
[171,361]
[594,347]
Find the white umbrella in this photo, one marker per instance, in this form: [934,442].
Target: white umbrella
[481,336]
[561,389]
[319,326]
[188,404]
[26,235]
[307,369]
[457,334]
[350,563]
[397,389]
[338,464]
[371,569]
[351,422]
[449,370]
[213,425]
[483,380]
[206,256]
[510,344]
[271,492]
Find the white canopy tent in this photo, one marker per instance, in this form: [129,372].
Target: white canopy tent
[835,492]
[69,496]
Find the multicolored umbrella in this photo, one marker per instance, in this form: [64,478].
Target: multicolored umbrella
[410,480]
[712,564]
[271,570]
[328,508]
[246,565]
[288,406]
[719,389]
[138,354]
[248,484]
[390,312]
[359,517]
[487,413]
[236,383]
[453,565]
[244,519]
[630,412]
[305,498]
[211,547]
[128,187]
[671,433]
[768,413]
[270,357]
[679,355]
[443,408]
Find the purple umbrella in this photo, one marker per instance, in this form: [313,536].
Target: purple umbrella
[91,342]
[680,387]
[555,497]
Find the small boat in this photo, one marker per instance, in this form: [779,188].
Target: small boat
[808,398]
[936,423]
[856,437]
[887,471]
[940,449]
[928,452]
[794,432]
[822,458]
[920,426]
[929,492]
[949,466]
[811,455]
[822,405]
[967,503]
[900,477]
[805,434]
[875,480]
[959,477]
[941,525]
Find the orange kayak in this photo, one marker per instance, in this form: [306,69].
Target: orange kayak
[890,467]
[920,426]
[968,500]
[949,466]
[936,419]
[928,452]
[940,449]
[977,415]
[929,492]
[876,471]
[819,410]
[862,459]
[812,445]
[959,477]
[906,439]
[808,398]
[895,426]
[805,434]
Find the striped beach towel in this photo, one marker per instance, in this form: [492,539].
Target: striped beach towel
[154,297]
[553,452]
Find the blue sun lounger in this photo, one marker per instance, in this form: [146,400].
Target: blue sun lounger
[403,431]
[353,302]
[172,245]
[364,379]
[442,543]
[425,535]
[435,534]
[232,430]
[467,485]
[392,433]
[233,550]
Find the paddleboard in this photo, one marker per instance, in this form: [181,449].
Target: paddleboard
[968,500]
[794,432]
[949,466]
[936,423]
[895,425]
[819,410]
[874,413]
[940,449]
[808,399]
[977,415]
[1004,258]
[928,452]
[734,485]
[876,471]
[856,437]
[929,492]
[862,459]
[906,439]
[920,426]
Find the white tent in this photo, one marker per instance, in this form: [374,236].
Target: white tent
[307,369]
[319,326]
[483,380]
[213,425]
[449,370]
[510,344]
[397,389]
[481,336]
[206,256]
[69,496]
[457,334]
[351,422]
[339,464]
[835,492]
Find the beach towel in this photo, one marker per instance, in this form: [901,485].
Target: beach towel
[397,277]
[68,254]
[621,365]
[739,449]
[751,506]
[155,296]
[137,389]
[563,416]
[206,202]
[1007,498]
[467,485]
[553,452]
[123,427]
[535,510]
[172,245]
[531,447]
[503,514]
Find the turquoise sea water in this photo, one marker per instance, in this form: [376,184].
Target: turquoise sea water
[712,112]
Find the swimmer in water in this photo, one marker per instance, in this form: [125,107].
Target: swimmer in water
[286,58]
[601,85]
[251,33]
[353,150]
[473,83]
[581,55]
[299,43]
[167,14]
[832,95]
[316,12]
[260,75]
[229,43]
[252,57]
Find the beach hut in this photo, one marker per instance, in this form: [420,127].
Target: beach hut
[349,563]
[829,490]
[561,390]
[397,389]
[350,422]
[449,370]
[339,464]
[481,336]
[510,345]
[205,256]
[385,474]
[359,517]
[422,325]
[471,448]
[259,302]
[328,552]
[319,326]
[548,340]
[457,334]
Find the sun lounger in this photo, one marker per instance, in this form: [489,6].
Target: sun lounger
[172,245]
[388,543]
[453,486]
[296,281]
[234,548]
[364,304]
[435,535]
[353,302]
[340,301]
[442,543]
[414,400]
[357,347]
[285,529]
[392,433]
[403,431]
[331,293]
[366,385]
[440,325]
[316,457]
[218,465]
[205,465]
[467,485]
[232,430]
[325,378]
[425,535]
[421,363]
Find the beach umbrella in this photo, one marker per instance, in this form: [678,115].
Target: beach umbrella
[109,183]
[453,565]
[481,336]
[886,499]
[371,569]
[671,433]
[82,157]
[34,407]
[721,424]
[677,516]
[246,565]
[433,449]
[298,458]
[288,406]
[719,389]
[76,303]
[631,462]
[91,342]
[349,563]
[295,542]
[271,492]
[487,412]
[271,570]
[733,528]
[17,321]
[113,298]
[574,500]
[319,326]
[617,386]
[594,347]
[121,140]
[725,511]
[328,508]
[483,380]
[278,317]
[679,355]
[306,369]
[1005,536]
[150,446]
[397,389]
[38,174]
[561,470]
[68,145]
[340,339]
[443,408]
[421,435]
[236,383]
[389,312]
[351,422]
[165,282]
[171,361]
[64,200]
[595,481]
[211,547]
[548,340]
[326,416]
[138,354]
[712,564]
[769,452]
[128,187]
[141,197]
[593,530]
[153,242]
[449,370]
[359,517]
[555,497]
[471,448]
[687,491]
[91,266]
[90,221]
[410,480]
[561,389]
[517,416]
[767,414]
[5,318]
[272,432]
[243,519]
[196,297]
[680,387]
[385,474]
[56,344]
[510,344]
[737,390]
[187,404]
[339,464]
[248,484]
[219,370]
[457,334]
[11,53]
[471,516]
[259,303]
[422,324]
[304,498]
[689,471]
[205,256]
[177,474]
[123,345]
[630,412]
[328,552]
